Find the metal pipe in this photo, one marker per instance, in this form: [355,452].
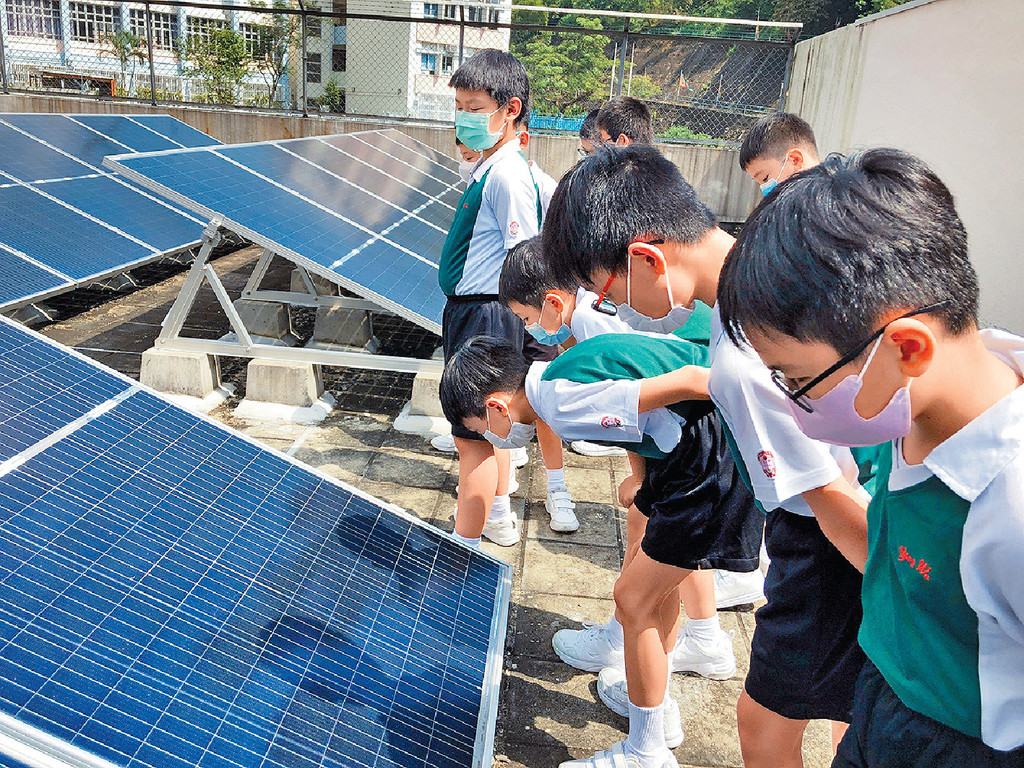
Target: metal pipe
[302,68]
[622,57]
[3,62]
[152,66]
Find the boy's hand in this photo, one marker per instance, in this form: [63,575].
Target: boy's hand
[687,383]
[628,489]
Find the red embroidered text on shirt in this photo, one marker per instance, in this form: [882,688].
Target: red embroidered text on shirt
[767,461]
[609,422]
[513,228]
[918,565]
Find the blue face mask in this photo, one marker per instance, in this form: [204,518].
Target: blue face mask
[549,339]
[768,186]
[474,130]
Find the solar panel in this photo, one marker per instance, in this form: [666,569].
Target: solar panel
[173,594]
[68,221]
[369,211]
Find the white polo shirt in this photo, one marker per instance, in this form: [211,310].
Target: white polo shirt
[587,322]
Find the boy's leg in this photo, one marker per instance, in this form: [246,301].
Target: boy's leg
[702,646]
[767,739]
[479,475]
[558,502]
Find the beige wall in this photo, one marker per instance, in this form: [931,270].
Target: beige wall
[714,173]
[943,79]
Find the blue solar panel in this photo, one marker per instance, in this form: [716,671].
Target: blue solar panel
[175,130]
[61,156]
[369,210]
[172,595]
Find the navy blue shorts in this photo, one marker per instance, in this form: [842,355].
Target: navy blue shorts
[804,657]
[699,513]
[884,732]
[465,318]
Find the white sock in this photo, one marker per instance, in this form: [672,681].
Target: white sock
[614,632]
[704,631]
[474,543]
[502,507]
[556,480]
[646,737]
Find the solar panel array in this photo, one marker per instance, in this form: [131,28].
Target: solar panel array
[67,221]
[369,210]
[173,594]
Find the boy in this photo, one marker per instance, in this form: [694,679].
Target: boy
[500,207]
[470,157]
[943,606]
[628,389]
[588,133]
[626,221]
[776,147]
[623,121]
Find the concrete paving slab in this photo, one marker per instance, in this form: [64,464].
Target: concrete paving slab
[414,469]
[597,525]
[539,616]
[568,569]
[590,484]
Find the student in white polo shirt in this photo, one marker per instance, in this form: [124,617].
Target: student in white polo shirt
[895,357]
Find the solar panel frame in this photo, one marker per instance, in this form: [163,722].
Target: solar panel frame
[116,162]
[47,751]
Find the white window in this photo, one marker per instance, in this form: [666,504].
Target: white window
[431,10]
[428,63]
[200,26]
[314,26]
[165,27]
[259,38]
[447,63]
[91,23]
[34,18]
[314,67]
[451,11]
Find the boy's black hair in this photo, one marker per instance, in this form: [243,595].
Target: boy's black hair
[774,135]
[588,128]
[501,74]
[483,366]
[526,278]
[611,199]
[844,245]
[627,115]
[458,142]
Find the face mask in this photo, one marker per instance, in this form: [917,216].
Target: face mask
[768,186]
[548,339]
[674,320]
[466,170]
[835,419]
[519,436]
[473,130]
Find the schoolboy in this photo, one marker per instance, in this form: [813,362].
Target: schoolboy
[626,221]
[588,133]
[643,392]
[559,314]
[500,207]
[895,356]
[776,147]
[470,157]
[623,121]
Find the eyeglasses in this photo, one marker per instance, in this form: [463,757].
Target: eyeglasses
[601,303]
[582,152]
[799,394]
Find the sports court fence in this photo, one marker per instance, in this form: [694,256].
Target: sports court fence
[704,79]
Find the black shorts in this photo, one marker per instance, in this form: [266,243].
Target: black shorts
[804,657]
[467,317]
[536,352]
[699,512]
[885,732]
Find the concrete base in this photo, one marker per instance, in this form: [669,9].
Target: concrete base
[421,424]
[324,287]
[215,399]
[255,410]
[180,373]
[349,327]
[264,318]
[297,385]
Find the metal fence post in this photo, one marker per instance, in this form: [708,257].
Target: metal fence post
[787,76]
[302,68]
[149,46]
[462,32]
[3,62]
[622,57]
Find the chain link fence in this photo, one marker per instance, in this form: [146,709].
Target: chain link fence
[703,79]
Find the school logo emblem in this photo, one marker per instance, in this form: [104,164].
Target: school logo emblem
[513,228]
[608,422]
[767,461]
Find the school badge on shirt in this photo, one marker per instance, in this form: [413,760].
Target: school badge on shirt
[610,422]
[767,461]
[513,228]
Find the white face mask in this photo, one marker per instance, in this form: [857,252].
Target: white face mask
[466,170]
[519,435]
[674,320]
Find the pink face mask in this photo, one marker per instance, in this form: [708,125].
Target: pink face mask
[835,419]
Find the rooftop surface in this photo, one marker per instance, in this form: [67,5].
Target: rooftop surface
[548,711]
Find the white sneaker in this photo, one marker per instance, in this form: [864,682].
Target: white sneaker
[733,588]
[504,531]
[588,649]
[611,687]
[593,449]
[559,505]
[520,457]
[618,757]
[443,443]
[716,661]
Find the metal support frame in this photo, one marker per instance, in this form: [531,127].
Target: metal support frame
[149,48]
[170,337]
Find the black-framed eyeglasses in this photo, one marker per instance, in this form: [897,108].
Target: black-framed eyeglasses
[582,152]
[601,303]
[799,394]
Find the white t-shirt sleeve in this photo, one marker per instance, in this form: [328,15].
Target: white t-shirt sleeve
[512,198]
[587,322]
[782,461]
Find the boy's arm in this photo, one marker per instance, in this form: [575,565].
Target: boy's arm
[687,383]
[841,511]
[629,486]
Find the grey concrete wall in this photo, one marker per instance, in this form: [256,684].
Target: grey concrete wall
[714,172]
[943,79]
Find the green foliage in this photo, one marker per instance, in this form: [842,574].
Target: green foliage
[333,97]
[161,95]
[128,48]
[683,132]
[867,7]
[275,44]
[220,59]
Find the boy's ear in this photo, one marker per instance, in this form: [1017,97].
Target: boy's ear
[497,403]
[555,301]
[514,108]
[797,159]
[916,344]
[651,255]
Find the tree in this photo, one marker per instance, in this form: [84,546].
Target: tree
[220,59]
[128,48]
[270,49]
